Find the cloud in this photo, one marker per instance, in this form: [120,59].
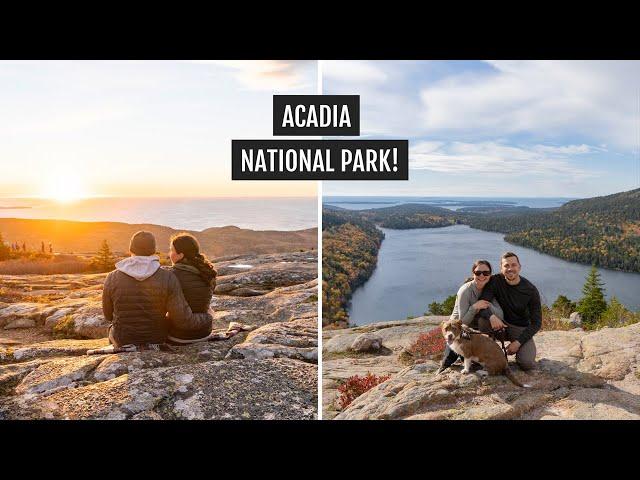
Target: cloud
[569,149]
[587,101]
[352,71]
[596,99]
[497,158]
[268,74]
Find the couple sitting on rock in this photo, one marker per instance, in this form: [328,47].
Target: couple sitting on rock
[505,305]
[149,306]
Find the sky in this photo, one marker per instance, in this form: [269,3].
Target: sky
[498,128]
[139,128]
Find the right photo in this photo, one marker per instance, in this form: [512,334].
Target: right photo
[501,281]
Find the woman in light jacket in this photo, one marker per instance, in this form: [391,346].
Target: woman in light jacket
[468,305]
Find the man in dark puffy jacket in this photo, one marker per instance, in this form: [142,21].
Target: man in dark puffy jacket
[138,294]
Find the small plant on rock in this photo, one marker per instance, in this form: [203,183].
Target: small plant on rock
[552,321]
[355,386]
[65,328]
[427,345]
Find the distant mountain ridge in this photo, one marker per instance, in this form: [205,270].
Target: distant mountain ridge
[86,237]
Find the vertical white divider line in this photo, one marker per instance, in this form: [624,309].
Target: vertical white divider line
[319,194]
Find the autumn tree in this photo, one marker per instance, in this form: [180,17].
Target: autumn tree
[444,308]
[617,315]
[563,306]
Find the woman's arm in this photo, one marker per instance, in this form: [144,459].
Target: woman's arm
[455,315]
[496,309]
[469,304]
[463,309]
[469,316]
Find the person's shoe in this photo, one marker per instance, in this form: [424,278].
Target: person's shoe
[475,366]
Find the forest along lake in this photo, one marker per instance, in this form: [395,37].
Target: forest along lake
[417,266]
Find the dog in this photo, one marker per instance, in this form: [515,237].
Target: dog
[475,347]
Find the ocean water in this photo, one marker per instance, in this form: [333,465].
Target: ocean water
[416,267]
[452,203]
[257,213]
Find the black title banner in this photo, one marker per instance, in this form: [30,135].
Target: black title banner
[320,159]
[311,115]
[327,115]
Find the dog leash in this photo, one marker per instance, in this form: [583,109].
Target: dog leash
[492,334]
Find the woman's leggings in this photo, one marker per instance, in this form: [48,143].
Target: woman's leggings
[448,358]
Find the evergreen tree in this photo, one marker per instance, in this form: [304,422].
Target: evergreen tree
[4,249]
[104,261]
[592,304]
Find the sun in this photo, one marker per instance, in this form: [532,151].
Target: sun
[65,188]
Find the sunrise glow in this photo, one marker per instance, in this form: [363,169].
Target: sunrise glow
[65,188]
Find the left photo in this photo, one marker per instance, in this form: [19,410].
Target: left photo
[137,280]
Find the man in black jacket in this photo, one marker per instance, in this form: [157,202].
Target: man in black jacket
[138,294]
[520,302]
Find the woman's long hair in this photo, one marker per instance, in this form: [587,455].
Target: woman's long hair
[188,245]
[475,265]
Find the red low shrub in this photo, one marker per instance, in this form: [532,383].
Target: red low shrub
[427,344]
[355,386]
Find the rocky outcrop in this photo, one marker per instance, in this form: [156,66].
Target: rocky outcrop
[366,342]
[294,339]
[579,375]
[395,335]
[255,289]
[340,361]
[268,373]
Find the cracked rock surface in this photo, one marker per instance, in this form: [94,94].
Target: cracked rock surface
[268,373]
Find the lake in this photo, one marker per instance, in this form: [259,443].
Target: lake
[257,213]
[416,267]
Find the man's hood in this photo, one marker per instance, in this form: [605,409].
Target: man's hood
[139,267]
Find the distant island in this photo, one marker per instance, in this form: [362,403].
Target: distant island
[602,231]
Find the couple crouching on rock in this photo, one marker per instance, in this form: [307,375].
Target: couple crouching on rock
[505,305]
[149,306]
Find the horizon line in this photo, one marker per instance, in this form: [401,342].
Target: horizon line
[91,197]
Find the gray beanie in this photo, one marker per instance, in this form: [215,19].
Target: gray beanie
[143,243]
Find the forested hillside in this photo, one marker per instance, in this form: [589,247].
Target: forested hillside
[604,231]
[410,215]
[350,250]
